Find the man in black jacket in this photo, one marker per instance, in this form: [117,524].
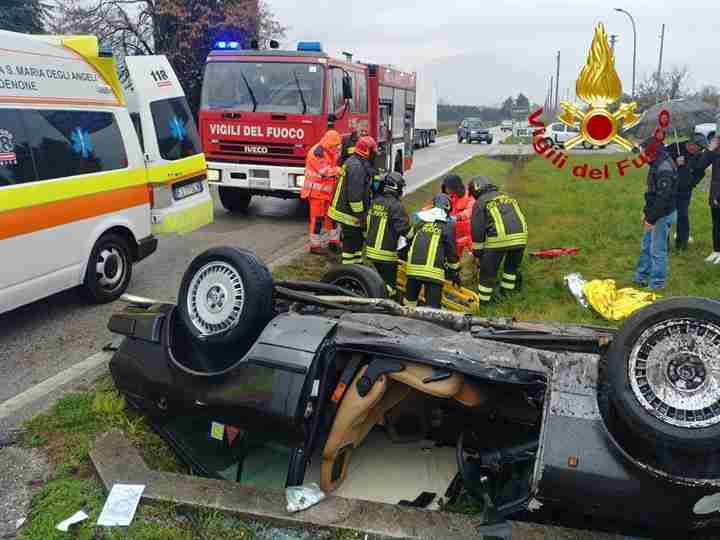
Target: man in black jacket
[658,216]
[686,155]
[351,200]
[712,157]
[432,257]
[388,226]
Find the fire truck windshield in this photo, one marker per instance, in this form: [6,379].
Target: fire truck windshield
[290,88]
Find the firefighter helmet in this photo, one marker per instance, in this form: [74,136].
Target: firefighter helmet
[443,202]
[366,147]
[394,184]
[480,185]
[452,183]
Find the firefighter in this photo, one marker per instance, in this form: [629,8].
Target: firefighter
[351,200]
[387,228]
[499,234]
[321,171]
[462,205]
[432,254]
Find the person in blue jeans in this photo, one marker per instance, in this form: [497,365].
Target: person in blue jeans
[659,214]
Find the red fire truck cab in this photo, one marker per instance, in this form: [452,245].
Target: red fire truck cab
[261,112]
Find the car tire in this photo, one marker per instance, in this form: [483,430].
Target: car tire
[234,199]
[357,278]
[226,296]
[661,378]
[109,269]
[587,146]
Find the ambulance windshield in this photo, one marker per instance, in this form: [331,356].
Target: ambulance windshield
[290,88]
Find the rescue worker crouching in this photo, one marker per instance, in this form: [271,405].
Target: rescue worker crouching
[351,200]
[499,233]
[432,255]
[387,228]
[462,206]
[321,172]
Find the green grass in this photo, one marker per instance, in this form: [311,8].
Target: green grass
[601,217]
[512,139]
[447,128]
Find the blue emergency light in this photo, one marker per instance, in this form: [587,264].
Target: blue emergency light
[227,45]
[309,46]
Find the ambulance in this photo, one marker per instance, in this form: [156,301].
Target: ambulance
[92,171]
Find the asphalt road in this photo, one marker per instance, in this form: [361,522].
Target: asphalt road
[41,339]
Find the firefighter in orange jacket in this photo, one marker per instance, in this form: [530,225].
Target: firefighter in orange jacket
[321,171]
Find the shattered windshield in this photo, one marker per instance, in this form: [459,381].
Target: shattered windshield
[290,88]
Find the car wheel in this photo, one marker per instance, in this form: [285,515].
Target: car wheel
[226,296]
[587,146]
[664,374]
[109,269]
[357,278]
[234,199]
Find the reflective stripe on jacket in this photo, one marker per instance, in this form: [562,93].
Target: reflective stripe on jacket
[497,222]
[351,199]
[387,222]
[432,251]
[320,170]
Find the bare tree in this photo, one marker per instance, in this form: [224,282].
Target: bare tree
[672,84]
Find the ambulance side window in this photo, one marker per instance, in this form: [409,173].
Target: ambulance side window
[175,129]
[16,164]
[68,143]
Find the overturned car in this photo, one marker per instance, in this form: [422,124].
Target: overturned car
[570,424]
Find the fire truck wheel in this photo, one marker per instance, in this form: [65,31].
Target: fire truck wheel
[226,296]
[662,370]
[357,278]
[234,199]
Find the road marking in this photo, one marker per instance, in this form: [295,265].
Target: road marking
[31,395]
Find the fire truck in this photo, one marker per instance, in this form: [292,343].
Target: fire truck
[262,110]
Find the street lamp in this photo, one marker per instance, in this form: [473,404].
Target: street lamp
[634,47]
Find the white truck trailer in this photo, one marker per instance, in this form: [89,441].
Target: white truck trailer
[425,111]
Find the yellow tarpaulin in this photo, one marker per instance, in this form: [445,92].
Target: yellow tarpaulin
[613,303]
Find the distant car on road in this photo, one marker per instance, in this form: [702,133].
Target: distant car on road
[558,133]
[506,125]
[472,129]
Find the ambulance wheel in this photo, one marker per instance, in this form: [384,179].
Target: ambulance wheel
[234,199]
[357,278]
[663,374]
[109,269]
[226,296]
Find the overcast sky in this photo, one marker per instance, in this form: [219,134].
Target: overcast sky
[485,50]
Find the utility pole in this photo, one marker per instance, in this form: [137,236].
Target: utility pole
[632,20]
[613,39]
[557,81]
[550,101]
[659,72]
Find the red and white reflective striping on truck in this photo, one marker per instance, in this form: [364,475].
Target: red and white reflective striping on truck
[262,111]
